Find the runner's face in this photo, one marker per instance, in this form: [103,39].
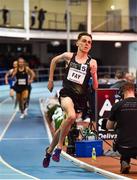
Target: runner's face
[15,64]
[84,44]
[21,62]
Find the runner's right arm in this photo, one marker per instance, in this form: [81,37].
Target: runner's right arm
[7,75]
[60,58]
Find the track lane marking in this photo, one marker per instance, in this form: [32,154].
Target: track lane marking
[75,161]
[22,139]
[16,170]
[1,137]
[5,100]
[8,124]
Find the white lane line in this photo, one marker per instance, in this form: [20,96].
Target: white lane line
[22,139]
[5,100]
[1,137]
[43,108]
[7,126]
[75,161]
[11,119]
[16,170]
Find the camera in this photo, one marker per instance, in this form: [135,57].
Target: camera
[104,123]
[115,145]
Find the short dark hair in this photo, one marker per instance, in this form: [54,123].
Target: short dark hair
[84,34]
[128,86]
[119,74]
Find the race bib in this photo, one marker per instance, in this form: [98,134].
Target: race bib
[21,81]
[77,75]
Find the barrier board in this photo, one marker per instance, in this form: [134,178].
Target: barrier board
[105,98]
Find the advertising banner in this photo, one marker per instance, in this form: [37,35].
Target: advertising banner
[105,98]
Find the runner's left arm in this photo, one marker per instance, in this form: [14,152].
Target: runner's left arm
[31,75]
[93,71]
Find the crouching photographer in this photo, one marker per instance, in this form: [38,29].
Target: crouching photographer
[124,116]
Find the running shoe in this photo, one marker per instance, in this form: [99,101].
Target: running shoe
[22,115]
[56,155]
[46,160]
[26,111]
[125,167]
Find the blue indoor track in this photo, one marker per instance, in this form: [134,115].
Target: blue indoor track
[23,142]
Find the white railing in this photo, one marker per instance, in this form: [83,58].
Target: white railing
[78,22]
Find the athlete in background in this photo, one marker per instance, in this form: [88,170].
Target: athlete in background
[24,77]
[11,81]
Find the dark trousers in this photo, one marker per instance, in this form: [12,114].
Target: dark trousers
[5,20]
[32,21]
[127,153]
[41,24]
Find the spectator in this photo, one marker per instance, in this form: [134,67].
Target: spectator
[123,119]
[65,18]
[106,79]
[120,79]
[33,16]
[5,13]
[129,77]
[41,18]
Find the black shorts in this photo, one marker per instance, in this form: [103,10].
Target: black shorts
[127,153]
[80,101]
[19,89]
